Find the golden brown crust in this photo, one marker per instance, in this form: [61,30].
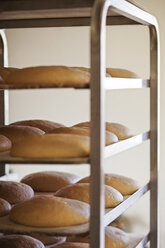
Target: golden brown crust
[49,181]
[5,143]
[44,125]
[15,192]
[60,76]
[52,146]
[4,73]
[122,132]
[125,185]
[19,241]
[121,73]
[50,211]
[17,133]
[5,207]
[109,139]
[81,192]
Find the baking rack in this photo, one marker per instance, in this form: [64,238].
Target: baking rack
[97,14]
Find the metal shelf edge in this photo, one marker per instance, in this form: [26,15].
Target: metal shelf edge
[117,211]
[126,83]
[143,242]
[125,144]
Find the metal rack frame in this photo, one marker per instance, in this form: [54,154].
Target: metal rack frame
[115,12]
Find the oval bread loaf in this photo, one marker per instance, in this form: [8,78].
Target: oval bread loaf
[5,207]
[115,237]
[19,241]
[81,192]
[5,143]
[121,131]
[17,133]
[59,76]
[15,192]
[50,211]
[52,146]
[44,125]
[125,185]
[121,73]
[49,181]
[48,240]
[4,73]
[110,138]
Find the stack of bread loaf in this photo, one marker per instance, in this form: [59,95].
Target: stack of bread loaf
[37,139]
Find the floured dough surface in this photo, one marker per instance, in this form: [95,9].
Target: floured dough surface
[50,211]
[125,185]
[81,192]
[15,192]
[49,181]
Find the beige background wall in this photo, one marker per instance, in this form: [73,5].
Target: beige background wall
[127,47]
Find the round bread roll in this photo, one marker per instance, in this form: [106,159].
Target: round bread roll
[121,73]
[52,146]
[15,192]
[5,207]
[59,76]
[81,192]
[115,237]
[49,181]
[73,245]
[48,240]
[50,211]
[17,133]
[110,137]
[4,73]
[19,241]
[125,185]
[121,131]
[5,144]
[44,125]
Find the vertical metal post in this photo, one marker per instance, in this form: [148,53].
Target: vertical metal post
[154,141]
[98,73]
[3,93]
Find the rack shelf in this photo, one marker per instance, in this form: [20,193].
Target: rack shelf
[110,150]
[110,84]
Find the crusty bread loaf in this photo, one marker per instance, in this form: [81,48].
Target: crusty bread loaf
[5,143]
[121,131]
[17,133]
[49,181]
[73,245]
[79,239]
[52,146]
[50,211]
[81,192]
[59,76]
[5,207]
[15,192]
[125,185]
[110,138]
[4,73]
[115,237]
[19,241]
[44,125]
[48,240]
[121,73]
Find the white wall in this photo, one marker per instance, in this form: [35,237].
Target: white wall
[127,47]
